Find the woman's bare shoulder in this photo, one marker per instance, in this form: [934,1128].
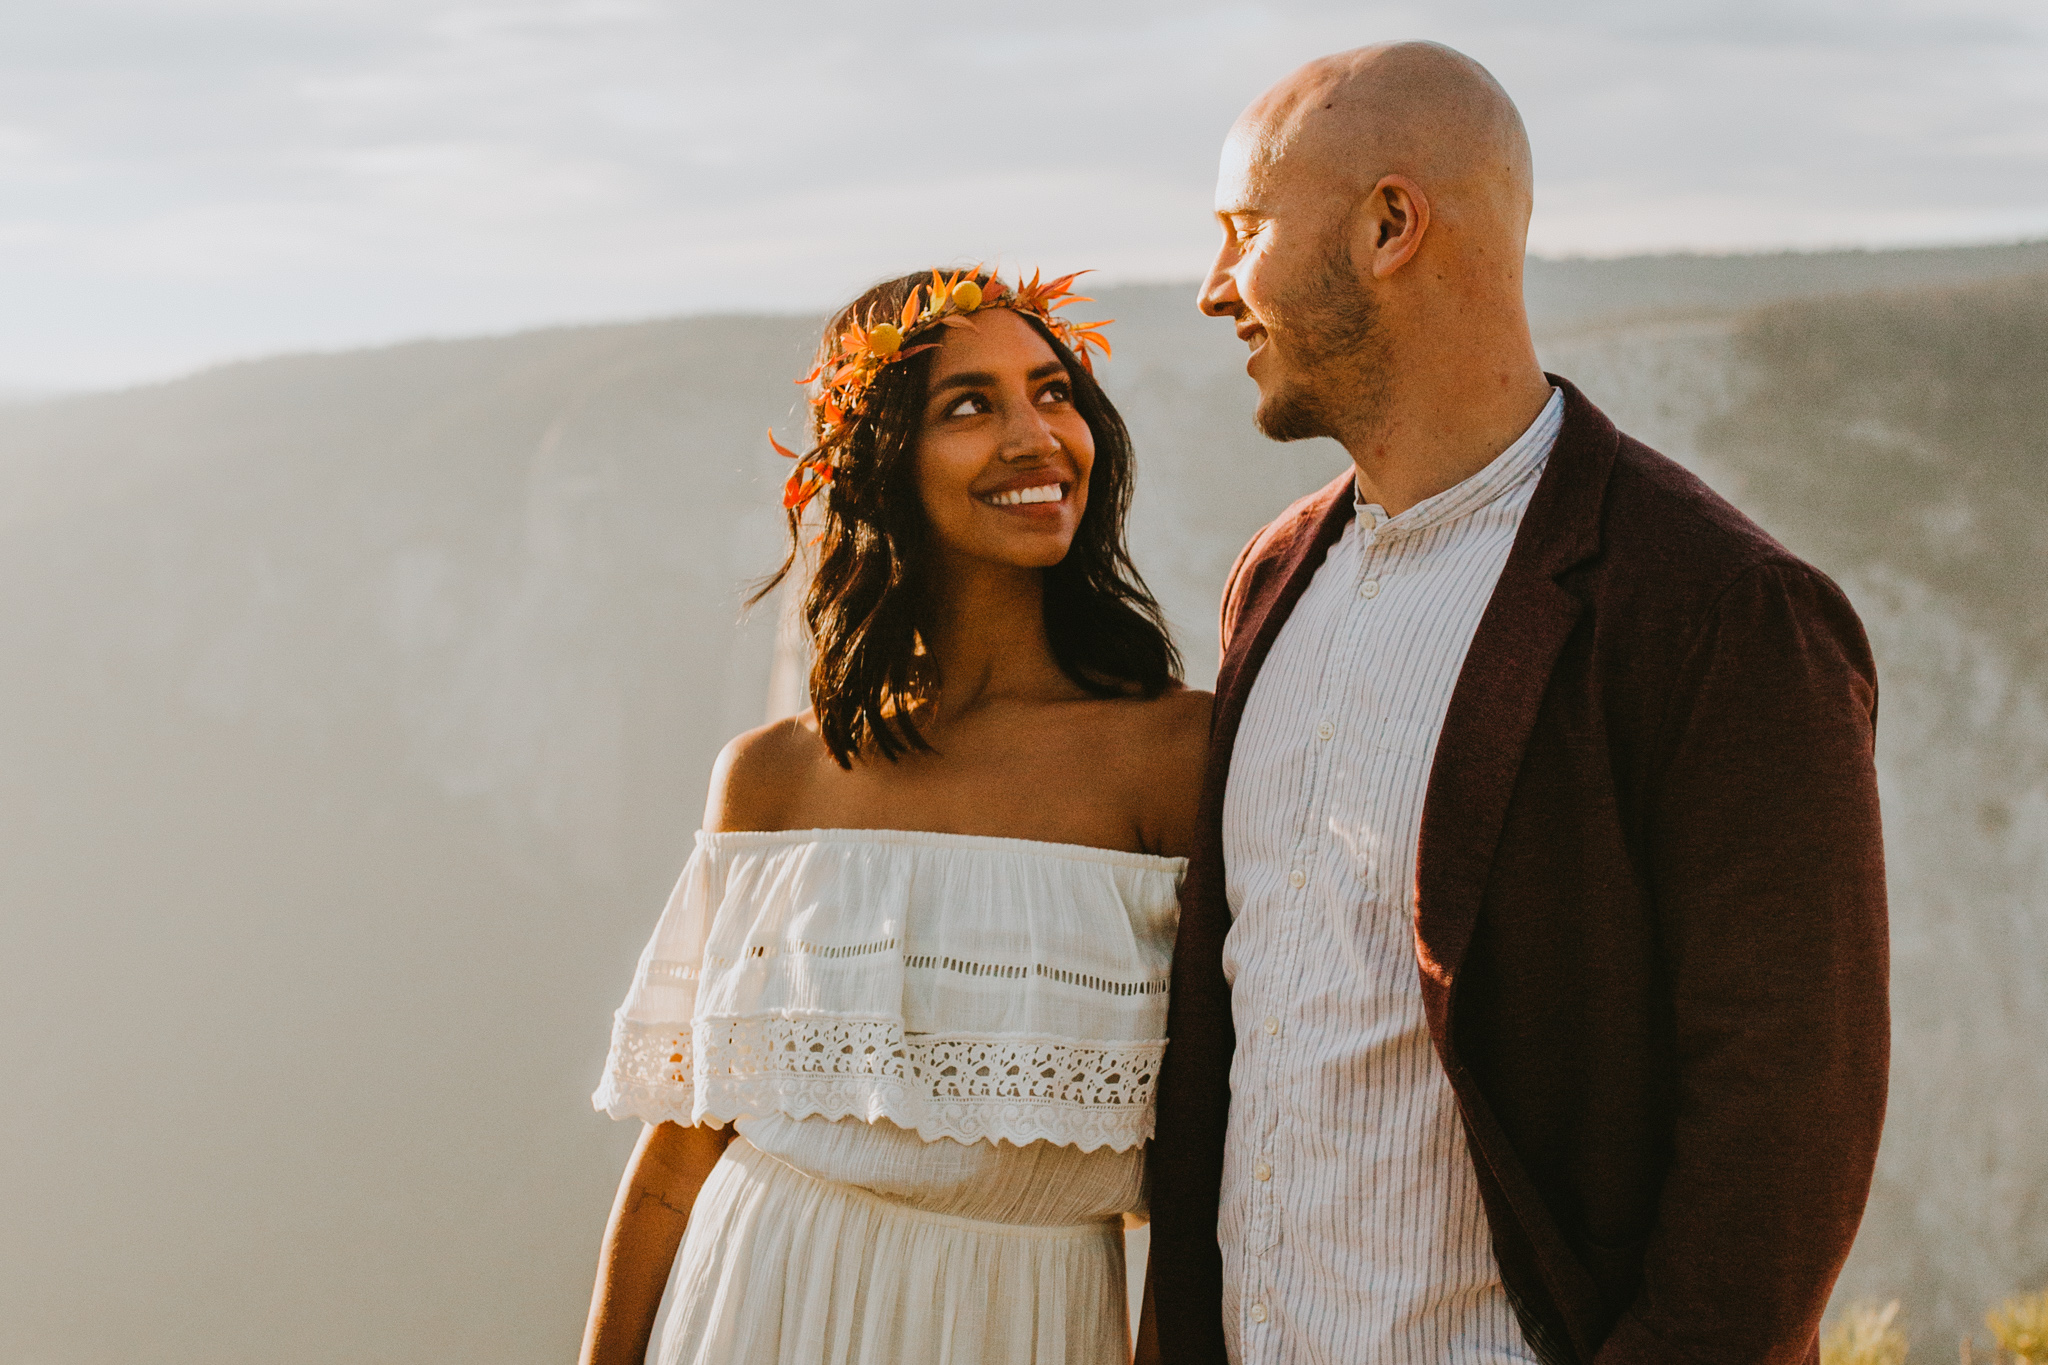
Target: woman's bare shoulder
[1177,722]
[760,773]
[1187,708]
[1170,746]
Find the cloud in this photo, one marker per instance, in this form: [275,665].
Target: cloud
[190,181]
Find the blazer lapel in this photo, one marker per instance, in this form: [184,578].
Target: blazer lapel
[1272,601]
[1494,705]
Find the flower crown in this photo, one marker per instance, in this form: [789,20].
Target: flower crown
[861,352]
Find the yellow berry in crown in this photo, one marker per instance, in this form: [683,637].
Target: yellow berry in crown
[885,338]
[966,296]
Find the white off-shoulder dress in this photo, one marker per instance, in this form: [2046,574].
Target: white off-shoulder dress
[940,1053]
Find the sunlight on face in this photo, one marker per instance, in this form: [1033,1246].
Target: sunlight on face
[1003,457]
[1282,276]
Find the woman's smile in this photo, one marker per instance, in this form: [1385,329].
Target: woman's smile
[1032,495]
[1002,434]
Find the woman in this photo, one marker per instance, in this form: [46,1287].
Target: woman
[896,1034]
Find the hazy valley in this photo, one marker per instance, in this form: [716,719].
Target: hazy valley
[355,713]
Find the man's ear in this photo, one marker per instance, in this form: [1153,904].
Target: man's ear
[1389,225]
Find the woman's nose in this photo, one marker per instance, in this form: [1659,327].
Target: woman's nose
[1029,435]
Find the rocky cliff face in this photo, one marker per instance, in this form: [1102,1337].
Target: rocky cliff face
[1900,441]
[355,712]
[1903,442]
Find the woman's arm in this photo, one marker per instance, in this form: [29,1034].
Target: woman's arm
[662,1178]
[672,1162]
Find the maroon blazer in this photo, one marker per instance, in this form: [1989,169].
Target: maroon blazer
[1649,922]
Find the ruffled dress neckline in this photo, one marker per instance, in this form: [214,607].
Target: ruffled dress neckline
[939,839]
[970,987]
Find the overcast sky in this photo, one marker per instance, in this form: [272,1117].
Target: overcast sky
[186,181]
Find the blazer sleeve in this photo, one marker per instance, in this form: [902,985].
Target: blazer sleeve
[1768,881]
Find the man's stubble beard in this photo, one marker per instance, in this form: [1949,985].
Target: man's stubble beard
[1336,353]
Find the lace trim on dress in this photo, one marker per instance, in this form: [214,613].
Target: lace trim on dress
[664,972]
[969,1088]
[801,948]
[1009,971]
[647,1076]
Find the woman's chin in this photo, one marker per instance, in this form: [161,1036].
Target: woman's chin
[1019,537]
[1033,552]
[1041,556]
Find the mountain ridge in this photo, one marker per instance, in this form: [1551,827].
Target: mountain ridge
[356,708]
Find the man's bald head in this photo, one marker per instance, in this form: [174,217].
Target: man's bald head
[1375,209]
[1420,110]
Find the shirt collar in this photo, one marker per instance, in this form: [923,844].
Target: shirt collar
[1508,471]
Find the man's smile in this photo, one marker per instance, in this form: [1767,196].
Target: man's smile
[1254,335]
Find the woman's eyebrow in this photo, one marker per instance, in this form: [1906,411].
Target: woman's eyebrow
[984,379]
[966,379]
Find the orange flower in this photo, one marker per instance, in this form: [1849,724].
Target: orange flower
[865,348]
[804,485]
[811,474]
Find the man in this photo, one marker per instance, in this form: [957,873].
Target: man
[1530,996]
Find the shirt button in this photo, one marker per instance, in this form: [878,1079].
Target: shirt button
[1258,1312]
[1262,1172]
[1273,1025]
[1369,588]
[1325,730]
[1297,879]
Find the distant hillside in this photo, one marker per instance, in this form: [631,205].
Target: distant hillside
[355,712]
[1565,294]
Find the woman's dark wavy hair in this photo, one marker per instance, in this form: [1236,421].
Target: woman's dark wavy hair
[867,602]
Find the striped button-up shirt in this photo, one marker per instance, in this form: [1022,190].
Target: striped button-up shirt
[1351,1226]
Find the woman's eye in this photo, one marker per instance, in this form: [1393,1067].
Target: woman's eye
[967,407]
[1056,393]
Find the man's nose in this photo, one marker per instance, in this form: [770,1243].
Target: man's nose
[1218,296]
